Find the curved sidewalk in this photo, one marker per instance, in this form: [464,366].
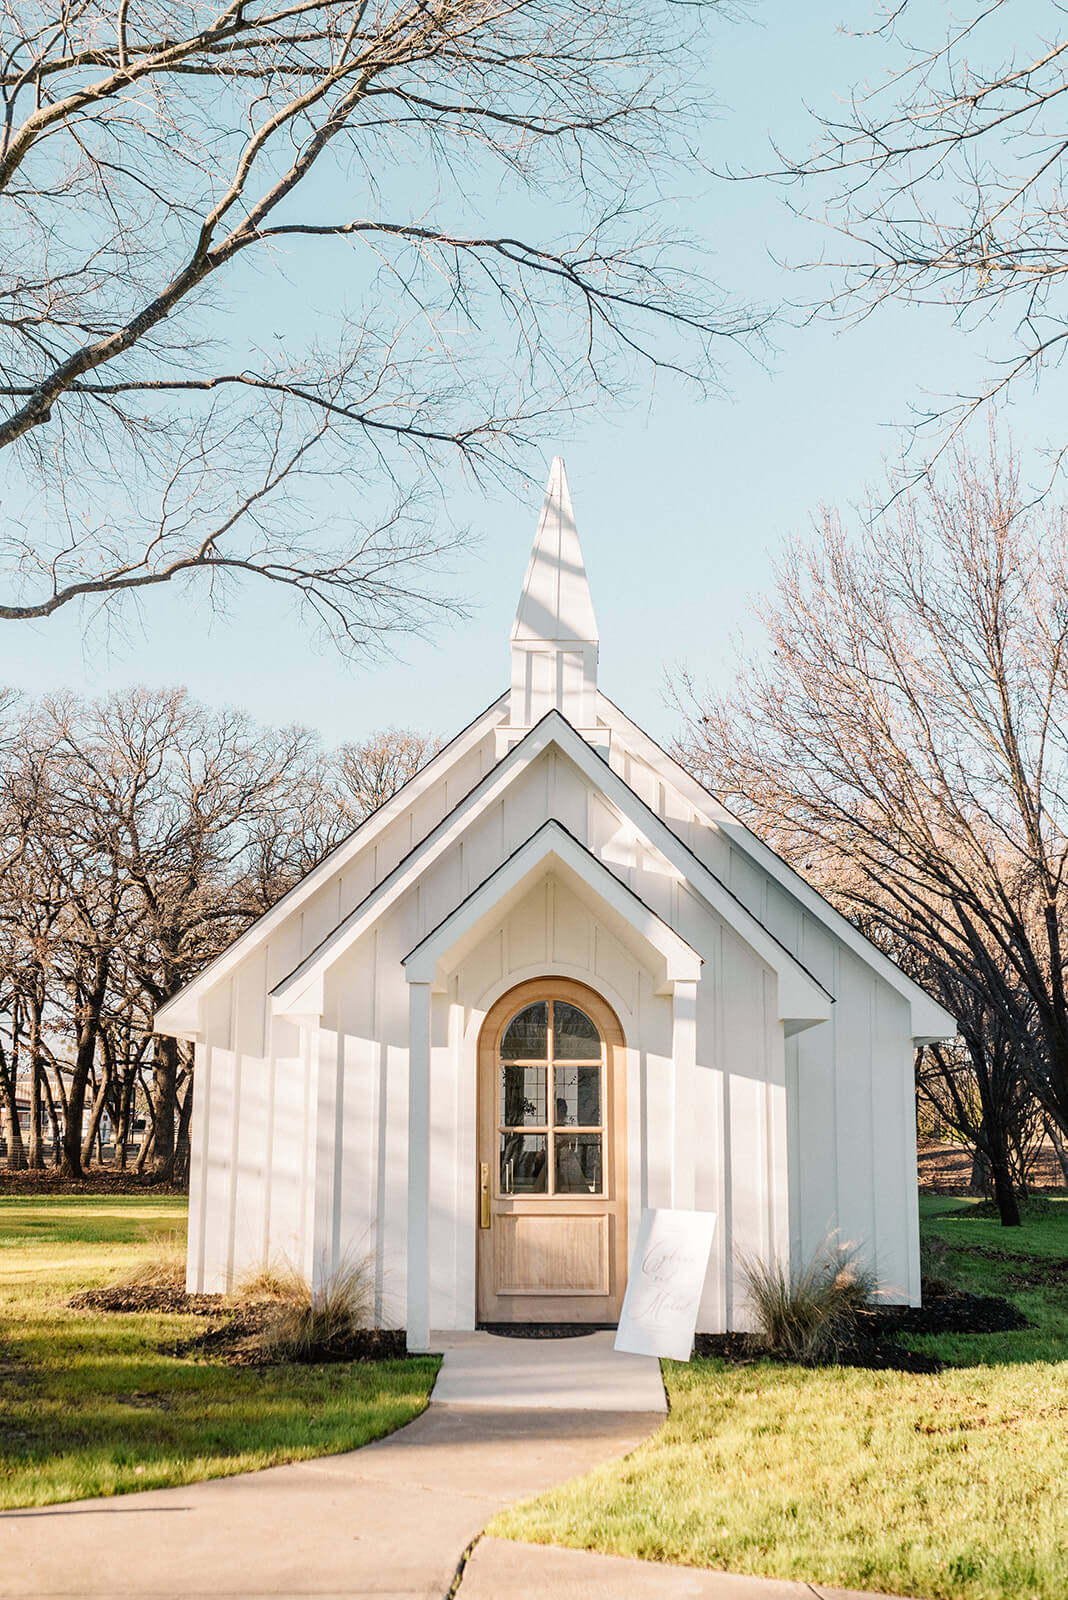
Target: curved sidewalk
[507,1419]
[392,1519]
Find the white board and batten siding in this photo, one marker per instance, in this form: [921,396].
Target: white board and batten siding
[794,1122]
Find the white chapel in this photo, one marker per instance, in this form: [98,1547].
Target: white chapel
[551,982]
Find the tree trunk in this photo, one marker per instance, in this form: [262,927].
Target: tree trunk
[164,1101]
[16,1152]
[99,1101]
[53,1116]
[145,1151]
[1058,1144]
[979,1183]
[92,1003]
[1005,1194]
[181,1147]
[122,1121]
[36,1153]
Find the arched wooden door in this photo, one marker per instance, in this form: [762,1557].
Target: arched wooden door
[552,1179]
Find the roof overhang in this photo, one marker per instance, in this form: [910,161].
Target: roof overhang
[931,1022]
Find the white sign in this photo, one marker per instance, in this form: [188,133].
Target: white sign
[667,1275]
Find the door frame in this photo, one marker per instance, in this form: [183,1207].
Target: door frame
[547,1307]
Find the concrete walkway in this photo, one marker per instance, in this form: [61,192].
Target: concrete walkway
[392,1519]
[508,1418]
[501,1570]
[583,1374]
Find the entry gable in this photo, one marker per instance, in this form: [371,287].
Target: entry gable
[553,848]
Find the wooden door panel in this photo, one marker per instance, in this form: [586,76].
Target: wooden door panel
[557,1254]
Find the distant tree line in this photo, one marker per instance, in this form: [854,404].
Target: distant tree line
[138,836]
[902,739]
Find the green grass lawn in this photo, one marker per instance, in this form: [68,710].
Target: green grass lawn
[89,1405]
[952,1487]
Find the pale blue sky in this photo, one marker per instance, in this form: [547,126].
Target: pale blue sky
[680,504]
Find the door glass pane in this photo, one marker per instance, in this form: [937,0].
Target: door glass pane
[574,1036]
[578,1163]
[526,1037]
[577,1092]
[523,1096]
[523,1163]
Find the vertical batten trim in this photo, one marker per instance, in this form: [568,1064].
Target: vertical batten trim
[684,1108]
[418,1313]
[198,1169]
[235,1168]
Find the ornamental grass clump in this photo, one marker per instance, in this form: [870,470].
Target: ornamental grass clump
[305,1324]
[811,1316]
[164,1269]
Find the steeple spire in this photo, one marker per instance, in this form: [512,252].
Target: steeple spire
[555,604]
[554,636]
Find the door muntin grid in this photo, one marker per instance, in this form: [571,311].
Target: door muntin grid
[550,1076]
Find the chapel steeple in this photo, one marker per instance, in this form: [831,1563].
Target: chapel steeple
[554,636]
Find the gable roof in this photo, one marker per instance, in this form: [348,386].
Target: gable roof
[552,845]
[178,1014]
[300,993]
[930,1021]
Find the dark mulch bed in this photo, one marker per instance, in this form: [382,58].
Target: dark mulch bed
[952,1311]
[877,1348]
[146,1297]
[540,1330]
[47,1180]
[742,1350]
[236,1342]
[234,1337]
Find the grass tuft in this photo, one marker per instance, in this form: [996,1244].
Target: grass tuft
[810,1316]
[164,1269]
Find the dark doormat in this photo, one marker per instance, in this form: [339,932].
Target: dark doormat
[542,1330]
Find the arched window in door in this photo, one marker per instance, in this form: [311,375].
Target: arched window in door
[550,1102]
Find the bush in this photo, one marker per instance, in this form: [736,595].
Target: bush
[811,1316]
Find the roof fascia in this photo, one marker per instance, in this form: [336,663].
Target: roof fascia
[930,1021]
[180,1014]
[552,842]
[800,994]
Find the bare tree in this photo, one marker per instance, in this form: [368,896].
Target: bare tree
[138,836]
[177,387]
[372,771]
[945,181]
[904,740]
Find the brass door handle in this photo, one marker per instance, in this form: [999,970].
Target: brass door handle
[483,1195]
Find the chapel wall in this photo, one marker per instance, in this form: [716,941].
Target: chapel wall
[851,1116]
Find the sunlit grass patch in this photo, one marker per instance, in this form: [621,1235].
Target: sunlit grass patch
[93,1406]
[951,1486]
